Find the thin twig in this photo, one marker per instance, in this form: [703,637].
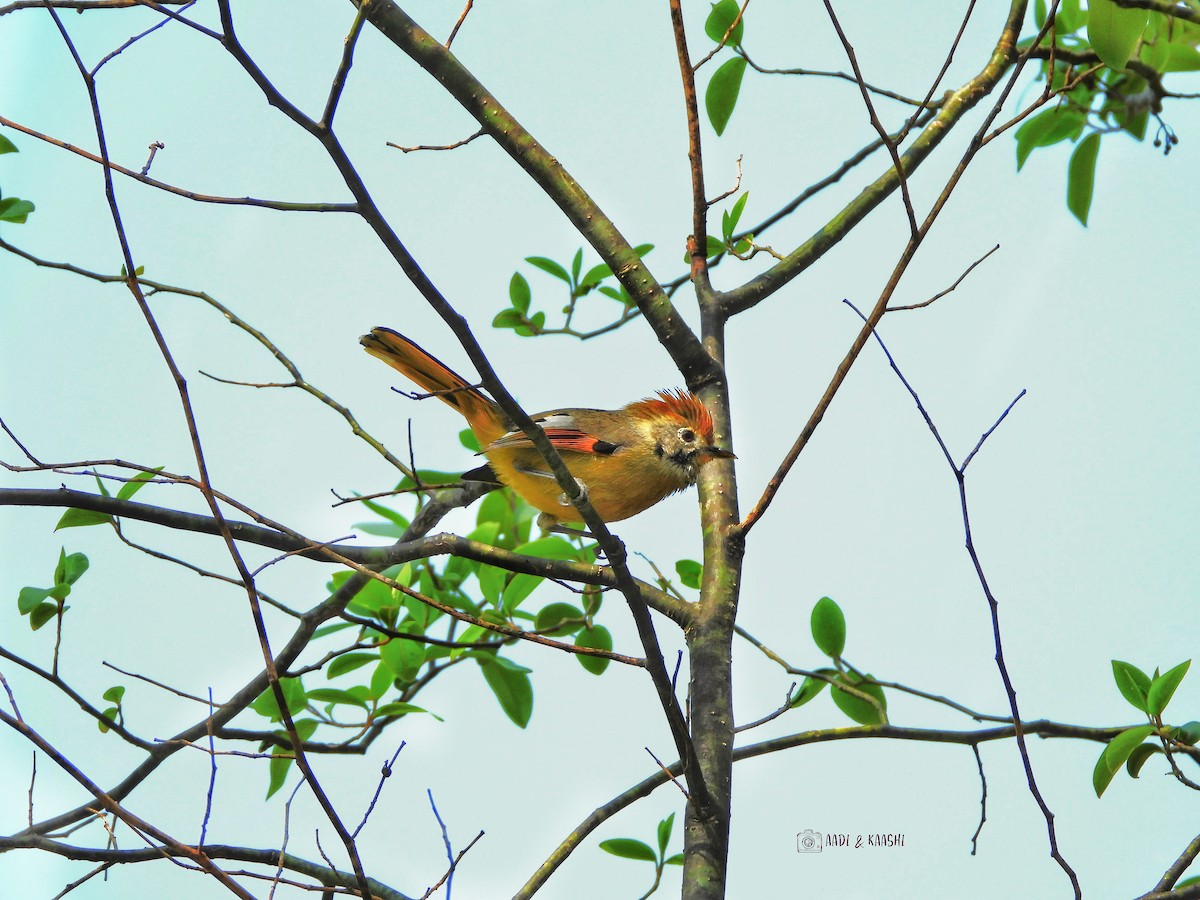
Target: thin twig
[698,241]
[212,775]
[110,166]
[384,774]
[737,185]
[154,148]
[818,73]
[787,704]
[993,605]
[453,146]
[446,842]
[875,123]
[982,799]
[453,866]
[338,85]
[668,773]
[457,25]
[725,37]
[941,294]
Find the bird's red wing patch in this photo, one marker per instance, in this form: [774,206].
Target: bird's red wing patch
[569,439]
[561,438]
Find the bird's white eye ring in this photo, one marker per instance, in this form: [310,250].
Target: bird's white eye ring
[687,435]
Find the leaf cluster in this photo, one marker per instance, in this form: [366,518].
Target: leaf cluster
[1148,695]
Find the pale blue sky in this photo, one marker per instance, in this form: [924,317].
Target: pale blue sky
[1084,502]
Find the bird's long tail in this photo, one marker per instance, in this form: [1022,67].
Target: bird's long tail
[484,417]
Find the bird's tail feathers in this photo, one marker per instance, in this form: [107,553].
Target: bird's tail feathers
[428,372]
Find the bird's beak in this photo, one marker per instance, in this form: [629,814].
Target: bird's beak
[707,453]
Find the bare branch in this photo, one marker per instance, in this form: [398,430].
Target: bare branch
[453,146]
[457,25]
[109,165]
[941,294]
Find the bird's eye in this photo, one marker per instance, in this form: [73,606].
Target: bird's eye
[687,435]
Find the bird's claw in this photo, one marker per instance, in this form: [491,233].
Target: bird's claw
[564,500]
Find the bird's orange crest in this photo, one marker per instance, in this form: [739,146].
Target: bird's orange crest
[676,404]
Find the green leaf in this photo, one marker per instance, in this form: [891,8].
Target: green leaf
[400,709]
[689,572]
[1136,124]
[521,586]
[136,483]
[1138,757]
[326,630]
[577,265]
[7,146]
[1081,176]
[373,599]
[676,860]
[1188,733]
[861,711]
[29,598]
[1115,754]
[1187,882]
[598,638]
[828,628]
[628,848]
[512,688]
[278,766]
[1162,689]
[1070,17]
[719,20]
[491,582]
[15,210]
[809,688]
[1181,58]
[109,719]
[550,266]
[78,518]
[403,657]
[735,215]
[1047,128]
[519,293]
[485,533]
[595,275]
[386,511]
[553,614]
[722,93]
[467,438]
[1132,682]
[293,692]
[348,663]
[664,833]
[43,614]
[114,694]
[1113,30]
[335,695]
[508,318]
[70,567]
[551,547]
[382,681]
[642,249]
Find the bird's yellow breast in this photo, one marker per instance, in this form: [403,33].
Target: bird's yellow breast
[619,485]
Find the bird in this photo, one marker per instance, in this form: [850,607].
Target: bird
[624,460]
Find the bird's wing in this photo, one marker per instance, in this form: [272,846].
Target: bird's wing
[562,431]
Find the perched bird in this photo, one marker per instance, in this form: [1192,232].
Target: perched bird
[626,460]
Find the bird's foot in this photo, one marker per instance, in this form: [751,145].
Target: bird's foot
[551,525]
[564,500]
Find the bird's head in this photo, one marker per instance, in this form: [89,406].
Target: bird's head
[681,428]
